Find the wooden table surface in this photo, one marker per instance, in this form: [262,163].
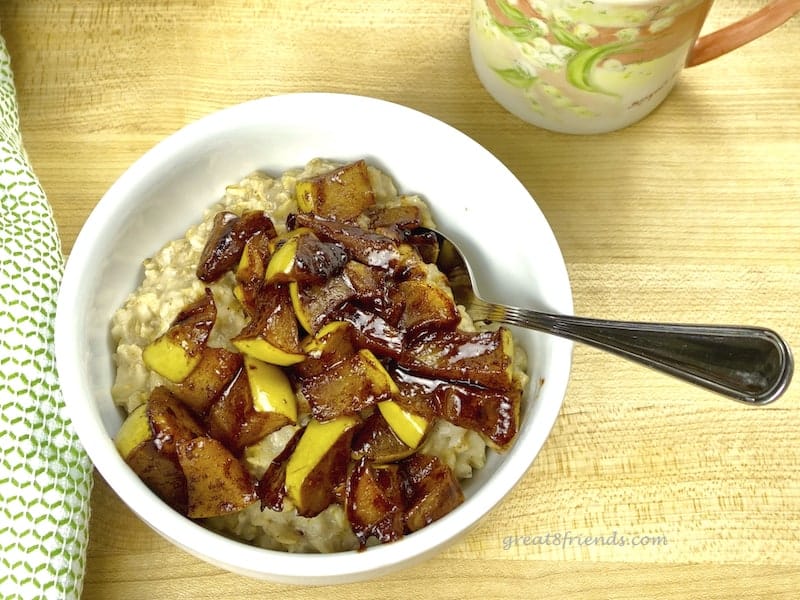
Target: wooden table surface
[691,215]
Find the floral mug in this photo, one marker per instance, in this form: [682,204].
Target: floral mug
[593,66]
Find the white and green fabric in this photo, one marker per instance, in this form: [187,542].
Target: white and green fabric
[45,476]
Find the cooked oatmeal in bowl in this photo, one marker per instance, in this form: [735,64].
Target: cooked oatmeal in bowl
[188,178]
[354,263]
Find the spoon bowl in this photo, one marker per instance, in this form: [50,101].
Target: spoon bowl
[753,365]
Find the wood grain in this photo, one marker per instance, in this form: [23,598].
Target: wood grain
[691,215]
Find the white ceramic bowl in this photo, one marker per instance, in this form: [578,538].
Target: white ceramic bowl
[473,197]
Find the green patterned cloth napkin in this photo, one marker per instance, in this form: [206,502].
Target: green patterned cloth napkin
[45,476]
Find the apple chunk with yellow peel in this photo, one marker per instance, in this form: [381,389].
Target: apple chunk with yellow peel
[178,351]
[270,389]
[314,303]
[482,358]
[161,473]
[304,257]
[170,420]
[234,419]
[214,372]
[318,464]
[431,490]
[217,483]
[332,344]
[272,334]
[252,270]
[423,306]
[227,240]
[348,387]
[146,440]
[342,193]
[408,426]
[377,442]
[374,502]
[134,430]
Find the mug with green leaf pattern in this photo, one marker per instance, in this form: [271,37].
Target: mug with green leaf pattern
[593,66]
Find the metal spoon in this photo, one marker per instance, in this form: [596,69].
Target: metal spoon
[749,364]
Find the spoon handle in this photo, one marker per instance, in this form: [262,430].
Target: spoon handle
[749,364]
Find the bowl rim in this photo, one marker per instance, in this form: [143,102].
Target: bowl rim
[215,548]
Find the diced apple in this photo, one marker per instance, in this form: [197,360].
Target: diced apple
[161,473]
[214,372]
[479,358]
[403,216]
[305,258]
[270,388]
[374,502]
[366,246]
[377,442]
[271,487]
[349,387]
[408,426]
[282,262]
[342,193]
[134,430]
[170,420]
[234,421]
[332,344]
[217,483]
[423,306]
[492,413]
[373,332]
[272,335]
[316,303]
[252,270]
[431,490]
[178,351]
[227,240]
[319,463]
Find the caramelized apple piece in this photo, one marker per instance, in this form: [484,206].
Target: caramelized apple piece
[409,426]
[227,240]
[315,304]
[170,420]
[479,358]
[410,264]
[332,344]
[349,387]
[363,245]
[271,488]
[403,217]
[177,351]
[492,413]
[342,193]
[423,306]
[318,465]
[252,271]
[374,502]
[270,389]
[305,258]
[425,244]
[209,378]
[217,483]
[161,473]
[373,332]
[272,335]
[370,285]
[134,430]
[430,490]
[376,442]
[234,420]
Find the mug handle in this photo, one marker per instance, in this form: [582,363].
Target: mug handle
[740,33]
